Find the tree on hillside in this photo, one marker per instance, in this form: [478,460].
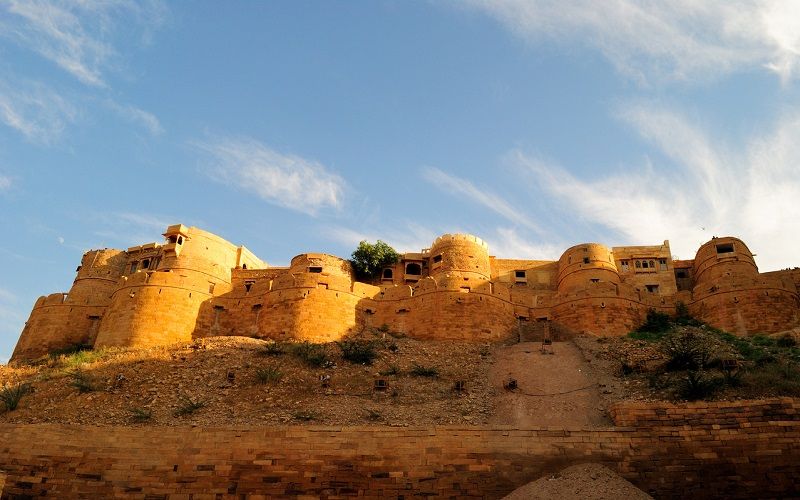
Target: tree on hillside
[369,259]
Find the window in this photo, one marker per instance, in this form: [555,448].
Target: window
[134,265]
[172,239]
[413,268]
[725,248]
[644,264]
[652,265]
[681,274]
[595,280]
[146,264]
[244,266]
[586,260]
[662,264]
[652,288]
[180,240]
[315,269]
[248,285]
[638,264]
[519,274]
[387,274]
[437,259]
[211,287]
[625,266]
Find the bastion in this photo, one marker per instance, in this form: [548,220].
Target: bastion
[195,284]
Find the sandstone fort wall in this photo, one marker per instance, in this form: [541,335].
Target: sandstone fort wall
[196,284]
[698,450]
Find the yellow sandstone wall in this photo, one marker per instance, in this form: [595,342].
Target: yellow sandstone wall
[740,450]
[198,285]
[730,294]
[65,319]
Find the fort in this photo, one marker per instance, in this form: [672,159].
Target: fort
[196,285]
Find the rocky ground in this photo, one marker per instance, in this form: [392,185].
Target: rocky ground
[216,382]
[243,381]
[580,482]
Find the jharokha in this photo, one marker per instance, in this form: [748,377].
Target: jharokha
[198,285]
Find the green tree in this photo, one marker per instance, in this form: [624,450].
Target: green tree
[369,259]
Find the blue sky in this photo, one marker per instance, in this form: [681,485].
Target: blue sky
[308,126]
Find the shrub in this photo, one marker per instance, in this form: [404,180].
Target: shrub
[69,350]
[187,405]
[368,260]
[392,370]
[304,415]
[268,374]
[373,416]
[81,381]
[786,341]
[358,351]
[697,385]
[312,355]
[656,322]
[384,328]
[424,371]
[11,395]
[273,349]
[774,378]
[687,351]
[648,336]
[141,414]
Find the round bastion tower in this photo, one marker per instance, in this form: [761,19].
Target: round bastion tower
[313,301]
[730,294]
[156,307]
[584,265]
[588,299]
[65,319]
[458,261]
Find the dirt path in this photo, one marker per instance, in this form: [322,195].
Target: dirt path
[553,389]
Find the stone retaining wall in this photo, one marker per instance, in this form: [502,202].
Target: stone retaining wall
[740,450]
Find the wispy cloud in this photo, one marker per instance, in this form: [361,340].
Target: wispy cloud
[482,196]
[704,189]
[5,182]
[404,237]
[286,180]
[509,243]
[679,40]
[34,110]
[137,116]
[74,35]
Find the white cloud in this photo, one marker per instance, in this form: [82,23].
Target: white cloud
[482,196]
[286,180]
[138,116]
[5,182]
[509,244]
[74,35]
[409,237]
[749,191]
[34,110]
[650,39]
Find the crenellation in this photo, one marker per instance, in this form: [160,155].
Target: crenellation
[198,285]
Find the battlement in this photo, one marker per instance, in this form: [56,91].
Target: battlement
[458,237]
[197,284]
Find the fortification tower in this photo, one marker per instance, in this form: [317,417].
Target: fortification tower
[313,301]
[156,307]
[584,265]
[729,293]
[458,261]
[65,319]
[589,298]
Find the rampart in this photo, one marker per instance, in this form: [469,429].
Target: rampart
[196,284]
[699,450]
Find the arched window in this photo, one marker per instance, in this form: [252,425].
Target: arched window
[652,265]
[644,264]
[413,268]
[387,274]
[638,264]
